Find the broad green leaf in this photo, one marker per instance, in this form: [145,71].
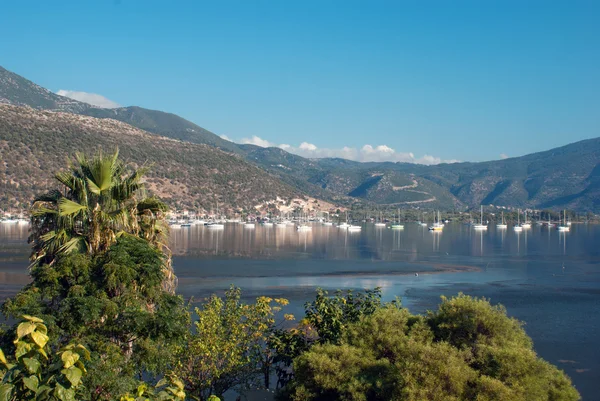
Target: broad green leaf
[64,394]
[83,351]
[33,365]
[42,352]
[40,339]
[31,383]
[73,375]
[81,366]
[41,328]
[24,329]
[6,390]
[69,358]
[22,349]
[33,319]
[43,392]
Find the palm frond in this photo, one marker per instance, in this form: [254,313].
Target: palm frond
[74,244]
[67,207]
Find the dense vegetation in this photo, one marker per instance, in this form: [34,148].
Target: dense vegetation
[466,350]
[100,323]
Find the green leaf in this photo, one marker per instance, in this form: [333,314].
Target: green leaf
[83,351]
[22,349]
[3,358]
[33,319]
[43,392]
[68,207]
[73,375]
[64,394]
[25,328]
[69,358]
[41,328]
[31,383]
[40,339]
[81,366]
[6,390]
[33,365]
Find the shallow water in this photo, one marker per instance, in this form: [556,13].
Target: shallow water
[548,279]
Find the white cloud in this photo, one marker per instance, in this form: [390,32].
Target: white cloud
[226,138]
[504,156]
[255,140]
[367,153]
[308,146]
[89,98]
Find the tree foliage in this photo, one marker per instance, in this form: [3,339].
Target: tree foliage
[227,348]
[112,302]
[326,320]
[467,350]
[37,373]
[99,200]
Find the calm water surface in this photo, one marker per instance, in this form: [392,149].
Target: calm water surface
[548,279]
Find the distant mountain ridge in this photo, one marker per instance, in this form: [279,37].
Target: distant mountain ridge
[564,177]
[19,91]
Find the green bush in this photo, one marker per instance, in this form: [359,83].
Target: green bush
[467,350]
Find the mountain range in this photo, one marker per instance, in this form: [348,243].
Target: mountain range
[565,177]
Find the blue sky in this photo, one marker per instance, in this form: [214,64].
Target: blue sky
[466,80]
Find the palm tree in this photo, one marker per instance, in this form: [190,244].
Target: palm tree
[99,200]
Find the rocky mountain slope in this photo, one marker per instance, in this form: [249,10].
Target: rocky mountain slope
[19,91]
[565,177]
[36,143]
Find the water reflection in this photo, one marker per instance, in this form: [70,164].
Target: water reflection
[371,243]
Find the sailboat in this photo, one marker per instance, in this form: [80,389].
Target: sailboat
[422,222]
[502,225]
[518,227]
[437,226]
[380,223]
[397,225]
[564,227]
[303,226]
[345,224]
[217,223]
[526,223]
[480,226]
[540,221]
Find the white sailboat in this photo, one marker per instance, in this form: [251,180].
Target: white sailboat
[216,224]
[437,225]
[422,222]
[380,223]
[344,225]
[564,227]
[480,226]
[397,225]
[526,223]
[518,227]
[302,226]
[502,224]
